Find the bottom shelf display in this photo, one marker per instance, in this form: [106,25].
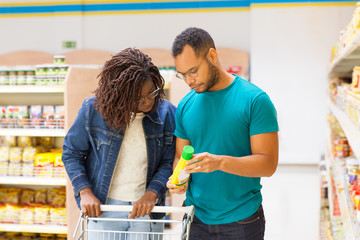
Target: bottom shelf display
[344,187]
[325,231]
[31,236]
[43,207]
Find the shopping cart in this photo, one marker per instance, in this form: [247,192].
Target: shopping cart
[181,227]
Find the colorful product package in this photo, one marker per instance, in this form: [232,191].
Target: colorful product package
[44,163]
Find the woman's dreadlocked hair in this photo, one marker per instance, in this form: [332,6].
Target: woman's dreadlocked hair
[120,85]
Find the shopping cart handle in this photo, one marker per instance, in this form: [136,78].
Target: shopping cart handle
[165,209]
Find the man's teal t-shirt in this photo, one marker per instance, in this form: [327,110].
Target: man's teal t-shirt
[221,123]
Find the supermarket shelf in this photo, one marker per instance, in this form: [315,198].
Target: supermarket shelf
[31,89]
[43,181]
[345,62]
[53,229]
[350,225]
[352,133]
[330,190]
[32,132]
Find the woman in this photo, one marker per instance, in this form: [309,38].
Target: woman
[121,147]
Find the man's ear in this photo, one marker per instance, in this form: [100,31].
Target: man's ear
[213,56]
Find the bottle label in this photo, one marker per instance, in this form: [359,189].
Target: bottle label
[183,177]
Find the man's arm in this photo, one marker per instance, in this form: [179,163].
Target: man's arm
[262,163]
[180,144]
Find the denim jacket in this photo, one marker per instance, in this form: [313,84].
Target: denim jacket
[91,149]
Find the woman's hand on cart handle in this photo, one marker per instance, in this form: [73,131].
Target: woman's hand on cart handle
[90,205]
[144,205]
[175,189]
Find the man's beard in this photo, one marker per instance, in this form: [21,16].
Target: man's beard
[213,76]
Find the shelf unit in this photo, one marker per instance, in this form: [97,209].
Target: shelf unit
[351,132]
[33,181]
[349,57]
[33,95]
[52,229]
[342,67]
[32,92]
[31,89]
[350,227]
[32,132]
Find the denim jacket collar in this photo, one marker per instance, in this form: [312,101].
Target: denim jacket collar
[154,116]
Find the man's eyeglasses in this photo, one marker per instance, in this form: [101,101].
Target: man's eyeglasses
[151,96]
[191,73]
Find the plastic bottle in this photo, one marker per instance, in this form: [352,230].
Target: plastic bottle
[180,177]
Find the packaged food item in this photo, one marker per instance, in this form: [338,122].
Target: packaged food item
[12,213]
[14,169]
[15,159]
[4,77]
[27,214]
[10,141]
[59,170]
[61,236]
[58,216]
[4,153]
[59,59]
[60,116]
[41,74]
[10,235]
[21,77]
[30,77]
[12,77]
[27,169]
[3,195]
[63,69]
[13,195]
[4,168]
[52,72]
[36,116]
[40,196]
[41,214]
[16,154]
[27,196]
[48,116]
[44,163]
[47,236]
[356,80]
[2,213]
[56,150]
[3,121]
[21,115]
[29,234]
[46,142]
[180,177]
[57,197]
[9,116]
[25,141]
[29,154]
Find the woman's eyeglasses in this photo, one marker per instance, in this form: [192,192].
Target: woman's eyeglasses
[151,96]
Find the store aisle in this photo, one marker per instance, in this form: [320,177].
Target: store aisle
[292,203]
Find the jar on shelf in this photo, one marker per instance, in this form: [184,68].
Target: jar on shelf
[21,77]
[59,59]
[4,77]
[12,77]
[41,74]
[30,77]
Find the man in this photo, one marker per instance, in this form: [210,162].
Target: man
[232,126]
